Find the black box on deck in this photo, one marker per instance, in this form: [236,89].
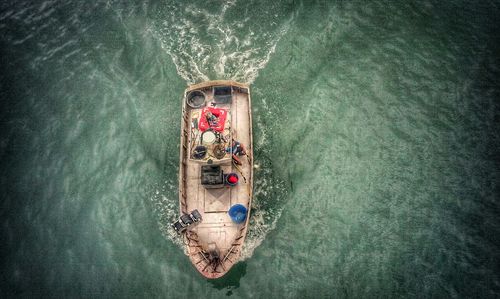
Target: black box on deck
[211,176]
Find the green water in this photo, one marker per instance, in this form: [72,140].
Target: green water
[376,134]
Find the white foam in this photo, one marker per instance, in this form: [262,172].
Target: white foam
[206,46]
[167,210]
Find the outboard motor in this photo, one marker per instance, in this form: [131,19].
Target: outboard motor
[186,220]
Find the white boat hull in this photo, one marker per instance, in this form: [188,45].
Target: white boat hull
[217,234]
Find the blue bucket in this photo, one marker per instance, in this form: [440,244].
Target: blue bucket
[238,213]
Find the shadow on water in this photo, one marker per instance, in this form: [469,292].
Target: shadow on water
[230,281]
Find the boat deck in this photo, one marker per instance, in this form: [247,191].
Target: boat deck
[216,230]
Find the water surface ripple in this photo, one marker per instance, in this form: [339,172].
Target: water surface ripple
[376,128]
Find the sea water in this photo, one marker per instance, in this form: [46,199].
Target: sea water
[376,135]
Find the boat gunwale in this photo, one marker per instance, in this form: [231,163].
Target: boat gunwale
[211,83]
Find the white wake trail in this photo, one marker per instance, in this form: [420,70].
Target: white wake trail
[210,45]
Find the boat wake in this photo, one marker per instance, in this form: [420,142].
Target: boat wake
[166,204]
[270,190]
[230,42]
[225,42]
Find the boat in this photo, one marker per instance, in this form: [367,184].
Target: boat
[215,174]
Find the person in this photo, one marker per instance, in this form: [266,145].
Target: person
[211,119]
[237,149]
